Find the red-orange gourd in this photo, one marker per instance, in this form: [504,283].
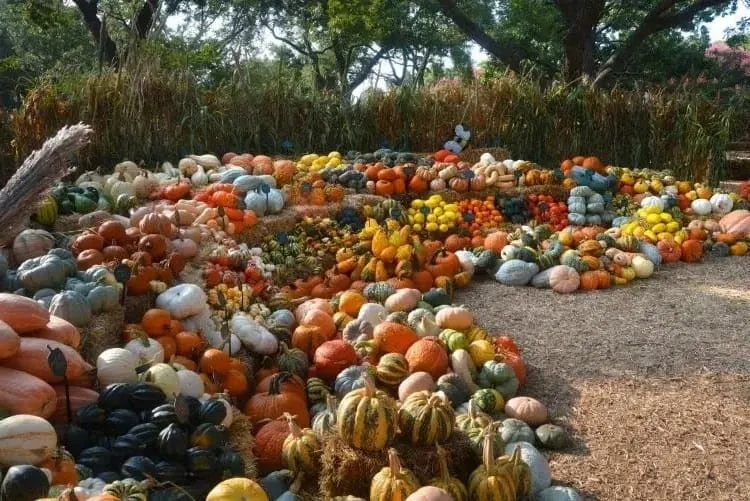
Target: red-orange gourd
[428,355]
[392,337]
[332,357]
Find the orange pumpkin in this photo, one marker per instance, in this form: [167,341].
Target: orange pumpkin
[604,280]
[392,337]
[506,343]
[235,383]
[156,322]
[384,188]
[418,185]
[269,442]
[727,238]
[169,345]
[592,262]
[423,280]
[692,251]
[322,320]
[308,337]
[670,250]
[443,264]
[428,355]
[589,280]
[516,362]
[272,404]
[188,344]
[496,241]
[63,468]
[214,361]
[332,357]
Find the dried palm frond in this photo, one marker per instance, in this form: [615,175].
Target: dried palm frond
[38,173]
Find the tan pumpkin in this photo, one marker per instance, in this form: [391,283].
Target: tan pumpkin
[455,317]
[22,314]
[527,409]
[31,357]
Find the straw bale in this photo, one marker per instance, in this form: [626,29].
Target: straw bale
[242,442]
[103,332]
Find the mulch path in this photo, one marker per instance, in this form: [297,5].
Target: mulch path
[652,379]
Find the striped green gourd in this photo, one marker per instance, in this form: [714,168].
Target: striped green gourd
[316,390]
[392,369]
[324,422]
[426,418]
[393,482]
[445,481]
[301,448]
[367,418]
[492,480]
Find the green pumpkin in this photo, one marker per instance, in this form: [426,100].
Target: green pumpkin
[103,298]
[499,376]
[367,418]
[82,204]
[436,297]
[127,490]
[316,390]
[486,260]
[558,493]
[46,211]
[426,418]
[573,259]
[72,307]
[379,291]
[455,388]
[44,272]
[351,378]
[276,483]
[488,400]
[293,360]
[209,436]
[551,436]
[392,368]
[454,340]
[515,430]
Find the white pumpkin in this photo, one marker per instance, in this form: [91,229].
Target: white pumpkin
[165,377]
[653,201]
[253,335]
[146,349]
[116,365]
[541,476]
[427,327]
[463,365]
[372,313]
[467,260]
[403,300]
[182,301]
[191,384]
[701,206]
[145,184]
[199,178]
[642,266]
[89,487]
[721,204]
[26,439]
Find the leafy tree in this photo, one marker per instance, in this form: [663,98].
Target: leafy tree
[595,38]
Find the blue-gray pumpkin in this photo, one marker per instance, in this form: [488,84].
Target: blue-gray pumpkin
[72,307]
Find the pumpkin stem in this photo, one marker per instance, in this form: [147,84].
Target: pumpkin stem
[488,451]
[331,403]
[369,385]
[442,462]
[297,484]
[394,463]
[294,428]
[276,381]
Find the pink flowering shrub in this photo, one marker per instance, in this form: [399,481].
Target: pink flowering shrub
[735,58]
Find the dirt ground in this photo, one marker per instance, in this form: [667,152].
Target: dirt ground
[652,379]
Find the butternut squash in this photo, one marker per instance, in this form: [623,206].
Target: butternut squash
[79,397]
[22,393]
[60,330]
[21,313]
[9,341]
[32,355]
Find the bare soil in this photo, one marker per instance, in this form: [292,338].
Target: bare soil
[652,379]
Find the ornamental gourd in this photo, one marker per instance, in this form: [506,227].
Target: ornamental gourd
[71,306]
[446,481]
[494,479]
[455,317]
[516,272]
[392,369]
[301,448]
[403,300]
[564,279]
[426,418]
[367,418]
[535,475]
[500,377]
[642,266]
[393,483]
[324,422]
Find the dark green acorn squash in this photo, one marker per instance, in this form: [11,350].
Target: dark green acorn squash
[202,462]
[109,476]
[231,464]
[24,483]
[147,433]
[170,472]
[97,458]
[193,406]
[90,416]
[209,436]
[173,442]
[436,297]
[74,438]
[139,468]
[455,388]
[119,421]
[127,446]
[116,396]
[213,411]
[163,415]
[146,396]
[276,483]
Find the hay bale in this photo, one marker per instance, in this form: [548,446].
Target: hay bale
[348,471]
[241,441]
[103,332]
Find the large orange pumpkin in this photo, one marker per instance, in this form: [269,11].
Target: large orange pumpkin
[322,320]
[269,442]
[670,250]
[275,402]
[496,241]
[332,357]
[692,251]
[307,338]
[392,337]
[428,355]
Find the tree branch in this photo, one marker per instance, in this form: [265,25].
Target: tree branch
[471,29]
[90,14]
[366,68]
[145,19]
[655,21]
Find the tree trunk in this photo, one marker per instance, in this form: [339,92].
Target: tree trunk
[107,46]
[579,54]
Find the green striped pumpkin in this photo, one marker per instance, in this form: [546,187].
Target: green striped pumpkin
[454,340]
[392,369]
[46,211]
[628,243]
[127,489]
[367,418]
[325,421]
[316,390]
[379,291]
[301,448]
[473,419]
[293,360]
[445,481]
[492,480]
[426,418]
[573,259]
[393,483]
[488,400]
